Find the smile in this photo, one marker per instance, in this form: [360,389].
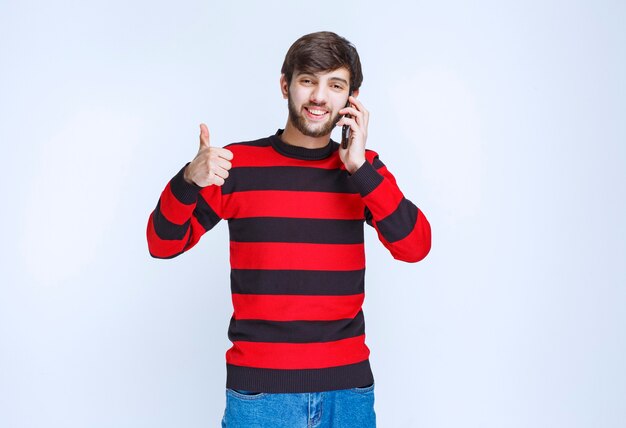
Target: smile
[314,113]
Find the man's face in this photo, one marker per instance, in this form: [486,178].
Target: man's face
[314,100]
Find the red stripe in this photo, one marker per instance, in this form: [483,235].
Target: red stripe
[168,247]
[370,155]
[163,248]
[384,199]
[298,355]
[244,156]
[296,256]
[174,210]
[415,246]
[293,204]
[197,230]
[296,307]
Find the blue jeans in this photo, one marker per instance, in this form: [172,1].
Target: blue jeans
[346,408]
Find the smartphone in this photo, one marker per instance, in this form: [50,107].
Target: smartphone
[345,129]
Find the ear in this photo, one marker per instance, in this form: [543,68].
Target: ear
[355,93]
[284,86]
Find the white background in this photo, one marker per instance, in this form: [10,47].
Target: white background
[503,121]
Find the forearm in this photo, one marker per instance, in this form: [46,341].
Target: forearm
[170,224]
[401,226]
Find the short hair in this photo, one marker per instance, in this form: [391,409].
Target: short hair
[323,51]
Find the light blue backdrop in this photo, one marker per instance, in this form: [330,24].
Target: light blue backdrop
[503,121]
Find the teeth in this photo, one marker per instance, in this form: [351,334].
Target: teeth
[317,112]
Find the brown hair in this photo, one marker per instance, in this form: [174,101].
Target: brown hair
[323,51]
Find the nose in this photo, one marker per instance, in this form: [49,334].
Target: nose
[319,95]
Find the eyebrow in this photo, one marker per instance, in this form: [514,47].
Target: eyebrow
[335,79]
[339,79]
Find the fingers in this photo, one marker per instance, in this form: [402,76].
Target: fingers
[356,110]
[358,134]
[221,172]
[351,122]
[211,164]
[223,163]
[204,136]
[213,174]
[216,179]
[219,166]
[223,153]
[205,143]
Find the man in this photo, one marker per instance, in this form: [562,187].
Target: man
[296,203]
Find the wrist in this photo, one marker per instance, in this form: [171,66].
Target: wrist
[352,167]
[185,192]
[187,177]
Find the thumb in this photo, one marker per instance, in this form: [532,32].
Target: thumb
[204,136]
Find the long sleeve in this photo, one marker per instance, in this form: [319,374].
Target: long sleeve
[401,226]
[183,214]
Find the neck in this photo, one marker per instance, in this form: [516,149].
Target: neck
[294,137]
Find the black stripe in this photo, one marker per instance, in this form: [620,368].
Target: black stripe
[261,142]
[205,214]
[313,231]
[377,163]
[295,331]
[294,381]
[298,152]
[288,178]
[297,282]
[368,216]
[165,229]
[367,178]
[185,192]
[400,223]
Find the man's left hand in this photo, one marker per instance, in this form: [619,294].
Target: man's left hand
[354,156]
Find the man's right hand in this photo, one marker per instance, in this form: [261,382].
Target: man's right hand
[211,164]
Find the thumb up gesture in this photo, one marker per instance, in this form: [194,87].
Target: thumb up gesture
[211,164]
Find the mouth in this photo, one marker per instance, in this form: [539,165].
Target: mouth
[316,113]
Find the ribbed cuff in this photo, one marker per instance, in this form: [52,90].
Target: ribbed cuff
[366,178]
[186,193]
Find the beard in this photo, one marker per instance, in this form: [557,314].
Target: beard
[300,122]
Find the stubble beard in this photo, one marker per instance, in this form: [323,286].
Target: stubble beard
[300,122]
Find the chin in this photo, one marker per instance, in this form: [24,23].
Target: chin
[319,129]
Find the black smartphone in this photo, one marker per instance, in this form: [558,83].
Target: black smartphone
[345,129]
